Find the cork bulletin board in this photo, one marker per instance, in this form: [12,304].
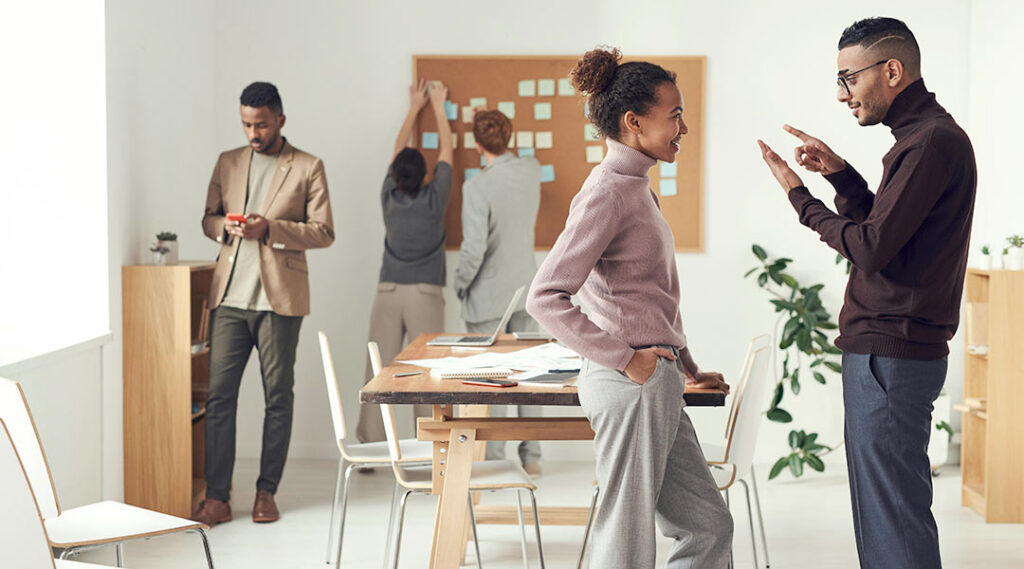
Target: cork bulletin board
[549,122]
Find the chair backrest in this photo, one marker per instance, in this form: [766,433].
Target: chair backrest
[23,538]
[15,413]
[755,344]
[742,440]
[333,394]
[388,416]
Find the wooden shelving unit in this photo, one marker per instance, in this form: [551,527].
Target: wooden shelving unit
[992,463]
[163,315]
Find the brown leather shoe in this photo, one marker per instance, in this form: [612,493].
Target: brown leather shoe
[264,510]
[212,512]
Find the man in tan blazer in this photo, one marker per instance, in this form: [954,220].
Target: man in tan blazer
[277,195]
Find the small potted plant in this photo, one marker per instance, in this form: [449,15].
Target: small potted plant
[1014,253]
[168,241]
[986,258]
[159,254]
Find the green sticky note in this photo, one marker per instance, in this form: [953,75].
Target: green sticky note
[527,88]
[565,88]
[478,102]
[667,187]
[508,107]
[547,173]
[668,170]
[526,152]
[470,172]
[545,87]
[430,140]
[451,110]
[542,111]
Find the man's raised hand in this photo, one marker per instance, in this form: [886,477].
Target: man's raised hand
[814,155]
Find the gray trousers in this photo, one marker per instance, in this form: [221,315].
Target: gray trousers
[650,466]
[529,451]
[400,313]
[888,405]
[233,334]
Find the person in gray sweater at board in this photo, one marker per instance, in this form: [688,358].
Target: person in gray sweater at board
[499,211]
[410,299]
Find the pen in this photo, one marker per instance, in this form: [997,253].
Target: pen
[407,373]
[564,370]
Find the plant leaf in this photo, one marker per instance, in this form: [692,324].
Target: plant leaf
[819,377]
[778,395]
[803,340]
[834,367]
[794,440]
[774,274]
[790,281]
[814,462]
[750,272]
[762,279]
[778,466]
[796,466]
[779,415]
[761,254]
[794,384]
[825,325]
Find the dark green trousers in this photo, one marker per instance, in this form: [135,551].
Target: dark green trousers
[233,335]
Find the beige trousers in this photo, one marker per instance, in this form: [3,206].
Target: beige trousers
[401,312]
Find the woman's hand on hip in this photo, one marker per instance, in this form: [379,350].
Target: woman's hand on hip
[641,366]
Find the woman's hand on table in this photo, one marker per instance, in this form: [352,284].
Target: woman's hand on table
[708,380]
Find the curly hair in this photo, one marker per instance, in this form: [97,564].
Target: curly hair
[613,88]
[492,130]
[262,94]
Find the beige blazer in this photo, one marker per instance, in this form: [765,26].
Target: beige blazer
[298,211]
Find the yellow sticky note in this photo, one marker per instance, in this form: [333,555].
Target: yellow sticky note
[565,88]
[524,139]
[470,141]
[543,139]
[527,88]
[545,87]
[542,111]
[594,154]
[508,107]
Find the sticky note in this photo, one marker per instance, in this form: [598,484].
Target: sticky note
[586,109]
[590,133]
[467,114]
[547,173]
[565,88]
[470,172]
[512,140]
[542,111]
[524,139]
[545,87]
[451,110]
[527,88]
[478,102]
[509,108]
[543,139]
[526,152]
[455,140]
[430,140]
[667,170]
[667,187]
[594,154]
[470,141]
[483,161]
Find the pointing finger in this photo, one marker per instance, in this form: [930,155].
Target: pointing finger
[797,133]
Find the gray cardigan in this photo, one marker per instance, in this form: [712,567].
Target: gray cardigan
[414,230]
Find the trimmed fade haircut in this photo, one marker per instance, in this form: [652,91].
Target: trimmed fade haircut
[262,94]
[887,37]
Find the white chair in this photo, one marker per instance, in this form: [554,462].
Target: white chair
[23,538]
[89,526]
[732,461]
[363,455]
[487,476]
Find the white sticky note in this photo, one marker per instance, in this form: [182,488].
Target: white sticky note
[565,88]
[527,88]
[667,187]
[467,114]
[524,139]
[478,102]
[545,87]
[469,141]
[508,107]
[455,140]
[590,133]
[512,140]
[668,170]
[542,111]
[543,139]
[594,154]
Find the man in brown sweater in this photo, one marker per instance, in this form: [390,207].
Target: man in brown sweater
[907,243]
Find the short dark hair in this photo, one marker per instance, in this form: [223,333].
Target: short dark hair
[889,37]
[262,94]
[615,88]
[408,169]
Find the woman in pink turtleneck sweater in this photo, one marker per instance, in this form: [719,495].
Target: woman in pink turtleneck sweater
[618,253]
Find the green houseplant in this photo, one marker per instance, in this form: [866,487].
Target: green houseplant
[167,247]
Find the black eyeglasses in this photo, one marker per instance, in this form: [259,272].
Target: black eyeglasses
[841,81]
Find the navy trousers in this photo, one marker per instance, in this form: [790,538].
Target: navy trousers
[888,405]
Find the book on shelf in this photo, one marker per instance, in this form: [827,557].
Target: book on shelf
[468,372]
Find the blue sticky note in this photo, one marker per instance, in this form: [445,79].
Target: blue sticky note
[470,172]
[451,110]
[430,140]
[667,187]
[526,152]
[483,161]
[547,173]
[668,170]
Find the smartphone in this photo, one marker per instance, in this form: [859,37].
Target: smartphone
[238,217]
[488,382]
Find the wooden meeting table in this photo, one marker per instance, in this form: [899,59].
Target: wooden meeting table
[454,437]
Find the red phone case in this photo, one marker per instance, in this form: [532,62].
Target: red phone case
[240,218]
[487,384]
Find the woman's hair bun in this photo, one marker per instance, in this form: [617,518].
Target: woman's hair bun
[595,71]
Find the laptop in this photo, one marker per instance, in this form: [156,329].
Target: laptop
[477,339]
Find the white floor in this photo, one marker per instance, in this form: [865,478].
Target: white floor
[808,520]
